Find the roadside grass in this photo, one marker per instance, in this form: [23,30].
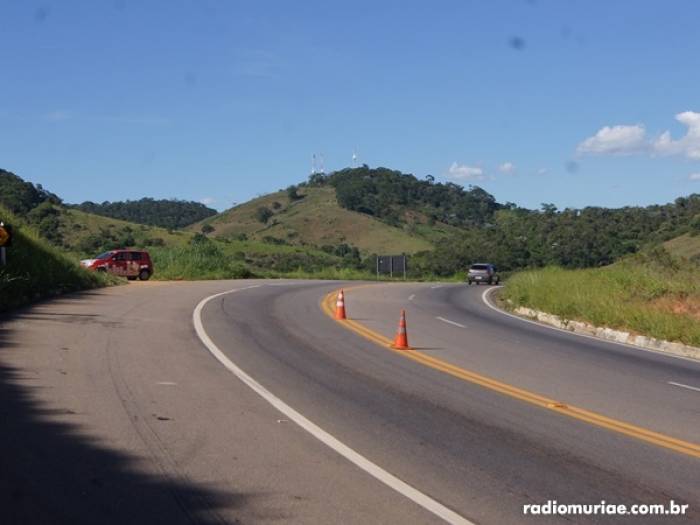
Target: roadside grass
[208,259]
[653,294]
[36,270]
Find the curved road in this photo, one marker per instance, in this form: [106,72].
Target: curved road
[113,409]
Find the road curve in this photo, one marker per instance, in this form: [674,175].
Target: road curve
[112,401]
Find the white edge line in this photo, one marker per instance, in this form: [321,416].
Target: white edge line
[449,322]
[327,439]
[484,298]
[684,386]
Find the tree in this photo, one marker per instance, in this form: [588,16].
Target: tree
[292,193]
[263,213]
[207,228]
[167,213]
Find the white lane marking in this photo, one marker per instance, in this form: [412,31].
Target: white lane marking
[412,297]
[436,286]
[166,383]
[372,469]
[684,386]
[450,322]
[484,298]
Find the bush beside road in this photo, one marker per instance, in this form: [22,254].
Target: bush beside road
[651,293]
[35,269]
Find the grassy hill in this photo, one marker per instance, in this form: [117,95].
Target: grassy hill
[36,269]
[84,233]
[317,220]
[685,246]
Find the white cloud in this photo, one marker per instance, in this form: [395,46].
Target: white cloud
[542,171]
[507,167]
[688,145]
[463,172]
[626,140]
[694,177]
[616,140]
[207,201]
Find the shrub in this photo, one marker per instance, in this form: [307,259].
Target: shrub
[263,213]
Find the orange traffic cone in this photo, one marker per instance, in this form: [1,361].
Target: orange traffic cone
[340,306]
[401,340]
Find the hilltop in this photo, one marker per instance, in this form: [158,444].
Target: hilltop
[166,213]
[315,218]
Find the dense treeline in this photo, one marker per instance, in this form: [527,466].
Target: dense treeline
[511,237]
[590,237]
[20,196]
[166,213]
[389,194]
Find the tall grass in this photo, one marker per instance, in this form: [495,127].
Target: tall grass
[35,270]
[196,261]
[652,294]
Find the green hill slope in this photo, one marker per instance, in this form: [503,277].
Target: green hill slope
[316,219]
[35,269]
[686,246]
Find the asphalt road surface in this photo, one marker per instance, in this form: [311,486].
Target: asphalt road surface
[120,406]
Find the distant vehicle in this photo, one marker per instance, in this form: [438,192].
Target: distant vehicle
[131,264]
[482,273]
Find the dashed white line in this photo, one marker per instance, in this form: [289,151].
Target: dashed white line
[436,286]
[166,383]
[684,386]
[449,322]
[362,462]
[412,297]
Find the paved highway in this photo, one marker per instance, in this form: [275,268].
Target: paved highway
[117,407]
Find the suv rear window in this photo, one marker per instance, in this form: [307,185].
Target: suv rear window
[135,256]
[479,267]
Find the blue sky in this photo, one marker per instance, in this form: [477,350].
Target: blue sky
[536,101]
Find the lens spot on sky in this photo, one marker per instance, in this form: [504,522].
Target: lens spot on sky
[572,166]
[41,13]
[190,79]
[517,43]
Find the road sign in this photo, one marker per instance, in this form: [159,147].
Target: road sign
[391,264]
[5,235]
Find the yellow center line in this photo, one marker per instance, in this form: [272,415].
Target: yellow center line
[643,434]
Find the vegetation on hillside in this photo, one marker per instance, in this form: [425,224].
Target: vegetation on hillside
[166,213]
[591,237]
[389,194]
[651,293]
[19,196]
[314,220]
[339,221]
[35,269]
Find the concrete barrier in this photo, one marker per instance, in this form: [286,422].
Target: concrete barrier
[609,334]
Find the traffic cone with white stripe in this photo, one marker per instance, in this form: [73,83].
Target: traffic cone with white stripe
[401,339]
[340,306]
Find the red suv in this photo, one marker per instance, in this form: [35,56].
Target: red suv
[126,263]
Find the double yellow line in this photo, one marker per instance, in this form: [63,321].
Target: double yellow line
[661,440]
